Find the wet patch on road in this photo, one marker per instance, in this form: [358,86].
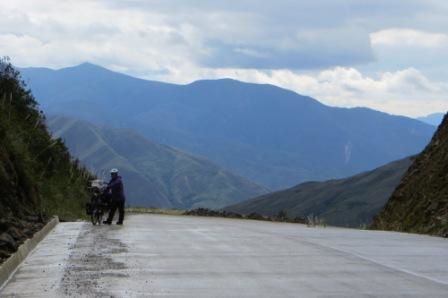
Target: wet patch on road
[91,263]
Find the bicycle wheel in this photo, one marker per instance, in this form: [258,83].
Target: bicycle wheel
[93,217]
[99,216]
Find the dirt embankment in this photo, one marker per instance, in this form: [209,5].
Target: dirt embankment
[14,231]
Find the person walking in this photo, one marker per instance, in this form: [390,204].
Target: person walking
[115,187]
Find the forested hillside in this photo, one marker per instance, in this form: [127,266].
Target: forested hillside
[38,177]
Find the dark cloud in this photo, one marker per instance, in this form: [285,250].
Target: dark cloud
[302,55]
[298,34]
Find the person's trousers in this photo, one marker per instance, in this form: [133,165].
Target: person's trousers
[113,207]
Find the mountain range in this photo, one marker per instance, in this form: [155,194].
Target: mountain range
[269,135]
[351,202]
[155,175]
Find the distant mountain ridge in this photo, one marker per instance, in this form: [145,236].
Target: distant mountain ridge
[433,119]
[352,201]
[155,175]
[270,135]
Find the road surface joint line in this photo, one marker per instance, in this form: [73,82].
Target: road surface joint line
[394,268]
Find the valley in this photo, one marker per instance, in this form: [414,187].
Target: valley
[271,136]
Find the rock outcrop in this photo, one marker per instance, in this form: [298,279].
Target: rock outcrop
[420,202]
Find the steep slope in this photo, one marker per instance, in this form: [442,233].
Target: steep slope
[420,202]
[433,119]
[346,202]
[155,175]
[270,135]
[38,179]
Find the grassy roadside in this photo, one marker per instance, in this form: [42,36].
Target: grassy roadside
[154,211]
[38,176]
[204,212]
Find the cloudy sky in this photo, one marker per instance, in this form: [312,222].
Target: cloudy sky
[390,55]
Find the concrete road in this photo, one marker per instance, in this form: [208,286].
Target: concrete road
[175,256]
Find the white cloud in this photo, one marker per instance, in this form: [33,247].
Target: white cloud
[403,92]
[244,34]
[74,32]
[290,34]
[409,38]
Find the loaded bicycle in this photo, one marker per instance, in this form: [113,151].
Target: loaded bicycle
[99,202]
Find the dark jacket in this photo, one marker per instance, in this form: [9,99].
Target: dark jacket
[117,189]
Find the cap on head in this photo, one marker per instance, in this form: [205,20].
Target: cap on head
[114,171]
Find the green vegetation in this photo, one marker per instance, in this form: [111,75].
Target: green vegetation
[155,211]
[37,175]
[420,202]
[281,216]
[315,221]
